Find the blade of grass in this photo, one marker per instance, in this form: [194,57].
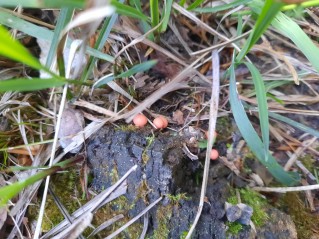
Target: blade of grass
[305,4]
[104,34]
[167,14]
[182,2]
[22,25]
[44,3]
[38,32]
[129,11]
[8,192]
[145,26]
[154,8]
[268,13]
[25,84]
[100,55]
[222,7]
[252,138]
[138,68]
[135,69]
[12,49]
[195,4]
[262,105]
[269,86]
[138,5]
[64,18]
[295,124]
[287,27]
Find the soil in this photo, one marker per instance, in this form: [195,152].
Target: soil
[163,170]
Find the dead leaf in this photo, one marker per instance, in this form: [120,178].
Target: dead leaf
[72,122]
[178,117]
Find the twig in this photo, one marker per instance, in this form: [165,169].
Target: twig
[61,207]
[133,219]
[174,84]
[77,227]
[294,157]
[106,224]
[145,226]
[97,202]
[212,125]
[74,46]
[287,189]
[54,145]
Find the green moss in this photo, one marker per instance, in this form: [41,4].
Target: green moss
[224,128]
[163,215]
[127,128]
[66,186]
[183,235]
[52,215]
[306,223]
[118,206]
[234,227]
[143,191]
[308,161]
[114,174]
[145,156]
[252,199]
[175,199]
[258,204]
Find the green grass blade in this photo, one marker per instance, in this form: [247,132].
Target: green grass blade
[295,124]
[129,11]
[100,55]
[269,86]
[135,69]
[222,7]
[138,68]
[8,192]
[287,27]
[155,16]
[25,84]
[195,4]
[305,4]
[64,18]
[262,105]
[167,14]
[12,49]
[103,81]
[25,26]
[182,3]
[45,34]
[138,5]
[252,138]
[268,13]
[43,3]
[104,34]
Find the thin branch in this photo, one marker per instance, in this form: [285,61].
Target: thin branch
[287,189]
[212,125]
[133,219]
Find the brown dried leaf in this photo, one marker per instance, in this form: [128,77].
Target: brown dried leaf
[72,122]
[178,117]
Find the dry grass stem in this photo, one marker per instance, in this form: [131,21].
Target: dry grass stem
[118,231]
[214,103]
[298,152]
[97,202]
[286,189]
